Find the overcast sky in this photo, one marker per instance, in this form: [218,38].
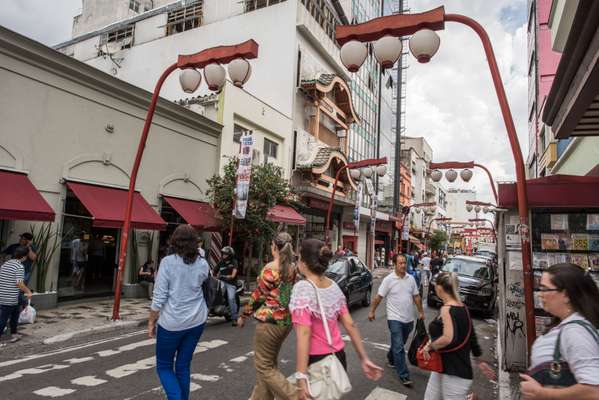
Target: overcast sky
[450,101]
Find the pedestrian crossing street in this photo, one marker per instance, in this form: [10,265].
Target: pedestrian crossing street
[78,377]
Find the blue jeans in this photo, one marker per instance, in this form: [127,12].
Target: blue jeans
[182,344]
[400,331]
[231,289]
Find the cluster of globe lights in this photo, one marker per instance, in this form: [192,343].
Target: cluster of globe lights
[215,75]
[358,173]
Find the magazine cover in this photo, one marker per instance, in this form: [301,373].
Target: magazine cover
[558,258]
[592,222]
[559,222]
[594,242]
[582,260]
[549,241]
[580,241]
[539,260]
[594,261]
[565,241]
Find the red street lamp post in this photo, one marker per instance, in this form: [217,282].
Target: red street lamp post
[357,165]
[406,211]
[210,59]
[466,166]
[486,220]
[430,224]
[424,43]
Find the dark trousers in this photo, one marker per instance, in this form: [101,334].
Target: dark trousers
[174,351]
[9,313]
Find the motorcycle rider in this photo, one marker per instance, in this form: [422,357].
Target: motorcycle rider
[226,271]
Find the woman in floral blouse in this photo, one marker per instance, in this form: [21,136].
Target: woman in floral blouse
[269,304]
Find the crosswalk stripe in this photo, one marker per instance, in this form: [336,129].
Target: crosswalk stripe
[53,391]
[90,380]
[384,394]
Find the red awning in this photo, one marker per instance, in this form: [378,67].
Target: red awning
[562,191]
[198,214]
[286,215]
[21,200]
[107,207]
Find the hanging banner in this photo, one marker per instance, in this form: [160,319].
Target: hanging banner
[244,173]
[357,207]
[373,206]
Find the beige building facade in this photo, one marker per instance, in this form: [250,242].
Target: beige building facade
[67,125]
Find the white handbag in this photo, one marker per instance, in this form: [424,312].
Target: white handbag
[328,379]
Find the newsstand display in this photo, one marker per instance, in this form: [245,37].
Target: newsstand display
[563,237]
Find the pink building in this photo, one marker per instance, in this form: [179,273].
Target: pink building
[542,66]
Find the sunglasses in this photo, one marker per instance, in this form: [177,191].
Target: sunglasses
[546,289]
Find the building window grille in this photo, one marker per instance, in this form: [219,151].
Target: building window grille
[134,5]
[184,19]
[116,40]
[251,5]
[270,148]
[238,132]
[321,12]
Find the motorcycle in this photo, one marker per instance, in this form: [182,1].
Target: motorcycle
[220,305]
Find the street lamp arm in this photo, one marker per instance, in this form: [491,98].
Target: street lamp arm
[397,25]
[131,192]
[490,181]
[222,55]
[520,172]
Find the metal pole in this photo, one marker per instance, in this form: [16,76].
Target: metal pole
[520,171]
[397,187]
[127,220]
[490,180]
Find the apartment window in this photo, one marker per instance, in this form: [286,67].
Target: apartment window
[251,5]
[270,148]
[321,12]
[117,40]
[134,5]
[184,19]
[238,132]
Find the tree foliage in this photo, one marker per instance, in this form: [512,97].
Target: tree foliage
[267,189]
[438,240]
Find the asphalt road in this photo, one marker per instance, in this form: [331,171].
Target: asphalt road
[121,365]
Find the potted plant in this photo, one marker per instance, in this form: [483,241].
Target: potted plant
[47,241]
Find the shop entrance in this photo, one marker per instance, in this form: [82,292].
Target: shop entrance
[99,248]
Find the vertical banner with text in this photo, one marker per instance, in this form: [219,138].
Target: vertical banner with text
[357,207]
[244,173]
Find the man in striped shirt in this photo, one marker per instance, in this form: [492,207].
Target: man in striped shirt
[12,275]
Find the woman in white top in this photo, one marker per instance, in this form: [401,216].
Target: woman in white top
[570,295]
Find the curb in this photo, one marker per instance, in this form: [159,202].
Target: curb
[503,377]
[97,329]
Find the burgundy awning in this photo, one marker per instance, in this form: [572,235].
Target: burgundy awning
[198,214]
[560,191]
[285,214]
[107,207]
[20,199]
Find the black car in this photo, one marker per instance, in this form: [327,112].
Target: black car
[478,283]
[354,279]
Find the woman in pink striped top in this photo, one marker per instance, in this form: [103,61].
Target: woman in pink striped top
[312,345]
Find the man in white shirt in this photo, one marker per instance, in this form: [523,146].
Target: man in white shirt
[426,269]
[401,291]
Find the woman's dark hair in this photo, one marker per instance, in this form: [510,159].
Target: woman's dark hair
[316,255]
[185,243]
[20,252]
[580,288]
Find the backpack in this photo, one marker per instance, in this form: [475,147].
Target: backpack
[210,290]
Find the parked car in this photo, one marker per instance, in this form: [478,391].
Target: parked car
[354,279]
[478,283]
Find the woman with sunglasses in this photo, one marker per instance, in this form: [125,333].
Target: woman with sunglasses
[565,360]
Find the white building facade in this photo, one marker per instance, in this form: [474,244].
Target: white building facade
[300,97]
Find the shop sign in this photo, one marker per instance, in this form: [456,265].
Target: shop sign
[244,173]
[348,226]
[357,207]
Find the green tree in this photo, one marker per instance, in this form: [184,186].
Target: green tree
[438,240]
[267,189]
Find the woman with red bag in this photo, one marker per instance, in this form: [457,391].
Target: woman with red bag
[453,338]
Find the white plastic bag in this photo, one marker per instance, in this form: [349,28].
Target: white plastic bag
[28,314]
